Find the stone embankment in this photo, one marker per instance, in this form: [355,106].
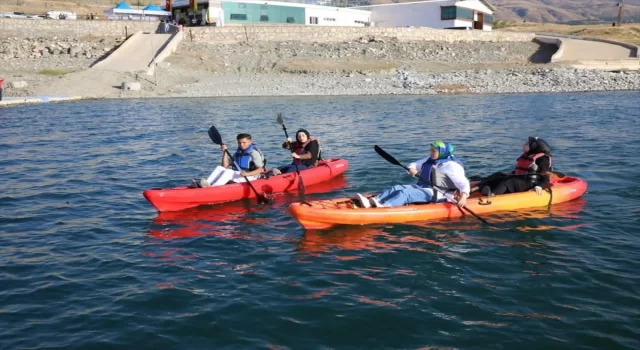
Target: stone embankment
[264,61]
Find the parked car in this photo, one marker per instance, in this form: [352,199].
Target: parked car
[61,15]
[14,15]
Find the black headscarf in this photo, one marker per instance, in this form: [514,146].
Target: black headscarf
[538,145]
[303,131]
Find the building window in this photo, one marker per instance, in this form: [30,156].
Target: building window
[462,13]
[313,20]
[238,17]
[488,19]
[447,12]
[264,18]
[291,20]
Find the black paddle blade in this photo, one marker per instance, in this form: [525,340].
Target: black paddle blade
[214,135]
[279,119]
[389,158]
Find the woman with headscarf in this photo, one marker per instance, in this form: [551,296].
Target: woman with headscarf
[533,170]
[305,152]
[439,175]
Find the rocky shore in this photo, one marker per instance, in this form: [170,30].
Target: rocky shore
[367,66]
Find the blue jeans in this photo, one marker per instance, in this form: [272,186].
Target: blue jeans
[405,194]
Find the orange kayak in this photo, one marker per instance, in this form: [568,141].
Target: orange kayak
[324,214]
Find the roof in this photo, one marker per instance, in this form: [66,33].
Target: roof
[152,7]
[123,6]
[488,4]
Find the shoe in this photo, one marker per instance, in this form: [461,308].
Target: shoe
[204,183]
[276,171]
[486,191]
[193,184]
[375,203]
[363,201]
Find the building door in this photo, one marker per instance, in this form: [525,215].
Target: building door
[479,23]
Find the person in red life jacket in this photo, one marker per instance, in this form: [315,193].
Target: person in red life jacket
[305,153]
[247,161]
[533,171]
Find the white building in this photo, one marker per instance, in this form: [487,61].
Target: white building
[441,14]
[247,12]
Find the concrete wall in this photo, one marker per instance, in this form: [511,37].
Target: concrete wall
[237,34]
[71,29]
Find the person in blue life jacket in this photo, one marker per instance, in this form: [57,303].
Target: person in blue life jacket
[440,175]
[533,171]
[247,157]
[305,152]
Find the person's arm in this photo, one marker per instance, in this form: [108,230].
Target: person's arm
[415,166]
[286,144]
[455,172]
[544,172]
[312,150]
[225,158]
[258,161]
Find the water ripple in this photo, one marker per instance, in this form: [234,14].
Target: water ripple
[88,263]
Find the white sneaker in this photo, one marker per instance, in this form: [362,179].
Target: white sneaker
[375,203]
[363,201]
[276,171]
[204,183]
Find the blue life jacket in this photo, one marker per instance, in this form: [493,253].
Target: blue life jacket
[243,158]
[424,177]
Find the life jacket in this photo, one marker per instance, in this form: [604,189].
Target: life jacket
[526,165]
[298,148]
[243,158]
[429,176]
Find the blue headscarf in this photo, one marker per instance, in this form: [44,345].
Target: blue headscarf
[445,149]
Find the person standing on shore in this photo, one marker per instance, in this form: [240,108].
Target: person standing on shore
[248,161]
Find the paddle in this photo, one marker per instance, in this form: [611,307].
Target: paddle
[300,182]
[214,135]
[394,161]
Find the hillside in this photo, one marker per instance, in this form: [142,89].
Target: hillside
[566,10]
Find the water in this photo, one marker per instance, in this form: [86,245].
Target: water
[88,263]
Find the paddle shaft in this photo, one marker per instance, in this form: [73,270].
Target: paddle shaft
[295,162]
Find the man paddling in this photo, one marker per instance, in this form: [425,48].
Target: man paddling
[248,161]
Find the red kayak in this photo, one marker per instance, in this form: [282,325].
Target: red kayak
[180,198]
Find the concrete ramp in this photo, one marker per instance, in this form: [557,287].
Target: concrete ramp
[139,53]
[592,53]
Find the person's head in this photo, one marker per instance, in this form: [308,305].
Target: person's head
[302,135]
[441,150]
[536,145]
[244,141]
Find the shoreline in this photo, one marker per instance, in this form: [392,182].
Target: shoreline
[203,70]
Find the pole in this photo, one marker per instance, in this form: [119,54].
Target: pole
[620,5]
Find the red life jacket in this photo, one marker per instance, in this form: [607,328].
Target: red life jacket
[525,163]
[298,148]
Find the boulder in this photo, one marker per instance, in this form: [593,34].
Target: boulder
[20,84]
[131,86]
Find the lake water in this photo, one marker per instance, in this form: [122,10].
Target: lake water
[86,262]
